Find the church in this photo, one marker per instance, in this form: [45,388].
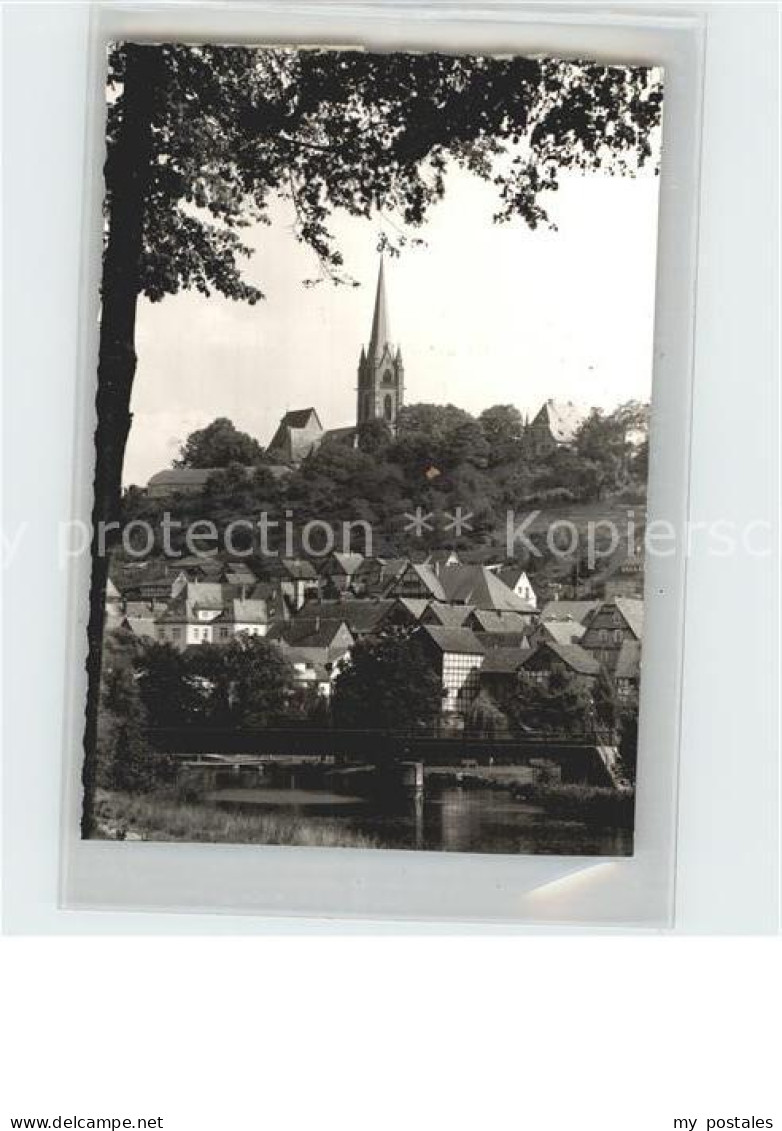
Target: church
[380,393]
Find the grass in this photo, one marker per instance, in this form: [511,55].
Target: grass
[597,805]
[161,817]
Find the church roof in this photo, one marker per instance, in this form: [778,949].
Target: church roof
[297,433]
[564,418]
[380,326]
[344,435]
[299,417]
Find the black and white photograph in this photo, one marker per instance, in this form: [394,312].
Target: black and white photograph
[372,447]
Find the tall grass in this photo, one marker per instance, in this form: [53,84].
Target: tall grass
[123,816]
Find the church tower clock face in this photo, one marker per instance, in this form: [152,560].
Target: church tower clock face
[380,367]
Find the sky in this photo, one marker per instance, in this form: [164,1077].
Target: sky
[484,313]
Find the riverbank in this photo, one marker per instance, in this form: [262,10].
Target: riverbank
[161,817]
[594,805]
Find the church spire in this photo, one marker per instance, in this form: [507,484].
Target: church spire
[381,371]
[380,328]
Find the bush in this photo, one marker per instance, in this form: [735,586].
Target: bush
[595,805]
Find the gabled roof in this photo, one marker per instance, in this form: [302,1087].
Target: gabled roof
[462,640]
[288,438]
[563,631]
[580,611]
[440,557]
[139,626]
[299,418]
[572,655]
[564,418]
[178,612]
[298,569]
[512,575]
[503,660]
[144,610]
[385,570]
[392,567]
[427,577]
[348,563]
[632,609]
[476,585]
[416,606]
[309,634]
[250,611]
[174,477]
[493,640]
[196,595]
[360,615]
[497,622]
[206,594]
[452,616]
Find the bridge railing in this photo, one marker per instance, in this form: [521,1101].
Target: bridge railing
[293,739]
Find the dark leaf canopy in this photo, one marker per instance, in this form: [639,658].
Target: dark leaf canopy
[360,132]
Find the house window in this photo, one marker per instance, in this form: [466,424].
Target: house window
[618,635]
[223,633]
[388,407]
[176,633]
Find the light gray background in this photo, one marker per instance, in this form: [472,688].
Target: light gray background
[727,870]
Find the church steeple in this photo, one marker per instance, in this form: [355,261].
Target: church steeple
[380,368]
[380,335]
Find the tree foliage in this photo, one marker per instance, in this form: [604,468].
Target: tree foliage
[244,683]
[200,139]
[435,464]
[126,761]
[220,444]
[503,428]
[387,683]
[360,132]
[561,704]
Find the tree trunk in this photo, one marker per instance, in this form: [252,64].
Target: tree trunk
[127,174]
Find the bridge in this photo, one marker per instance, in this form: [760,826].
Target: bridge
[590,756]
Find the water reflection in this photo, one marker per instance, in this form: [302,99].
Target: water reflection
[442,818]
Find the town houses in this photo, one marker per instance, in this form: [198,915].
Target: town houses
[483,626]
[478,633]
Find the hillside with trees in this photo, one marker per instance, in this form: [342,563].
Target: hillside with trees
[441,458]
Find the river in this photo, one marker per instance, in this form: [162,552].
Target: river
[446,818]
